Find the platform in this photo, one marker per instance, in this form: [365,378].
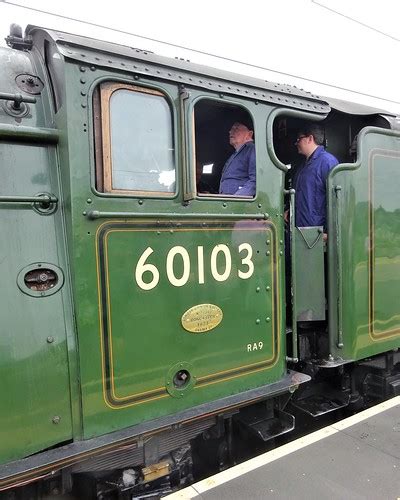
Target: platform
[356,458]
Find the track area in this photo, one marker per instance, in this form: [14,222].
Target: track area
[358,458]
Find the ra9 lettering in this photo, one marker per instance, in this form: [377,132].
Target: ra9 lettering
[147,275]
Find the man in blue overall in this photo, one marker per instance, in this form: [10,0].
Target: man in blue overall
[239,173]
[309,179]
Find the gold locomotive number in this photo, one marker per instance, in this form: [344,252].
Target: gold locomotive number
[218,272]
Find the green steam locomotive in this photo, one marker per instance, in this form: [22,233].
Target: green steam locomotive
[145,316]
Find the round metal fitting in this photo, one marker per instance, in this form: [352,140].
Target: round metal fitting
[180,379]
[20,112]
[40,279]
[30,84]
[46,207]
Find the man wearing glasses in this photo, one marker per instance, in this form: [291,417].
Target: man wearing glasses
[309,179]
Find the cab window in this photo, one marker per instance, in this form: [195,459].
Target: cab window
[223,167]
[138,154]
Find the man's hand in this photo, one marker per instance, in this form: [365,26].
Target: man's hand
[286,216]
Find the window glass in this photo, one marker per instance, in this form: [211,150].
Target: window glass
[141,142]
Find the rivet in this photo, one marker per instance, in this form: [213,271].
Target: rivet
[84,212]
[158,232]
[83,105]
[89,200]
[268,288]
[258,321]
[268,242]
[267,216]
[82,69]
[50,339]
[92,68]
[268,319]
[140,202]
[83,80]
[281,242]
[136,77]
[259,205]
[268,253]
[56,419]
[280,252]
[257,289]
[171,231]
[224,205]
[83,92]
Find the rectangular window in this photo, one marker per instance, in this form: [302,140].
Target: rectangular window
[137,141]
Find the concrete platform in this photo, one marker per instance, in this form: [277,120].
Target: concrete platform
[356,458]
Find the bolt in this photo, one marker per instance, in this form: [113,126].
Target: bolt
[56,419]
[30,81]
[50,339]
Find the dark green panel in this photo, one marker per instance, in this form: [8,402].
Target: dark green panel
[35,410]
[310,278]
[366,273]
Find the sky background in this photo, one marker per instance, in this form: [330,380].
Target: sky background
[324,46]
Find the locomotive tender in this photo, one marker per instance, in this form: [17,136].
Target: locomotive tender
[144,316]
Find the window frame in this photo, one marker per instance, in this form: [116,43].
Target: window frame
[104,169]
[228,103]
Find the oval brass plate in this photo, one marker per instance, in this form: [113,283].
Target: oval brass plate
[202,318]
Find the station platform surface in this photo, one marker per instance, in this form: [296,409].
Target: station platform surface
[356,458]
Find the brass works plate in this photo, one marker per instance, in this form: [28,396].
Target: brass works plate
[202,318]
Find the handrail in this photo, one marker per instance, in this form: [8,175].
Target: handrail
[96,214]
[338,190]
[35,134]
[43,199]
[292,229]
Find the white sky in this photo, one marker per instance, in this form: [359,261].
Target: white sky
[356,48]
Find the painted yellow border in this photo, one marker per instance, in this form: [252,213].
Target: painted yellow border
[387,334]
[275,328]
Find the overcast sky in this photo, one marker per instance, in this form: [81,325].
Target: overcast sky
[346,44]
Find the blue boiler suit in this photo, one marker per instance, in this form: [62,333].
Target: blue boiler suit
[310,185]
[239,172]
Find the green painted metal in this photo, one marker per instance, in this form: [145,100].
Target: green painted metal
[364,249]
[36,330]
[309,274]
[129,338]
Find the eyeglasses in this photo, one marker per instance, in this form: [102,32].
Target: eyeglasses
[300,138]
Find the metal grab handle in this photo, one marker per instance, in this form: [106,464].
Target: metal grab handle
[43,199]
[292,229]
[338,191]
